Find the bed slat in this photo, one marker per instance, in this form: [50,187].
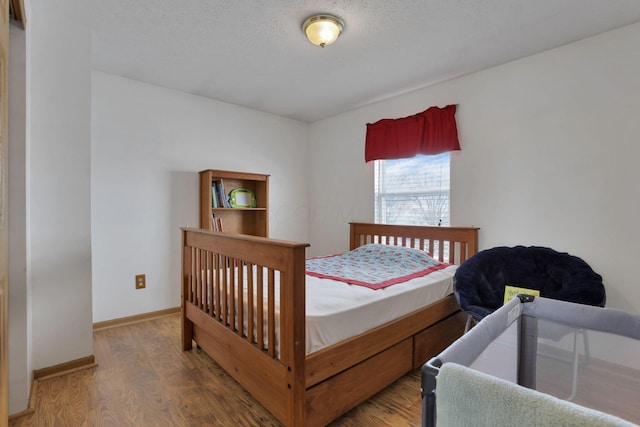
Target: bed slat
[260,310]
[240,325]
[250,304]
[271,323]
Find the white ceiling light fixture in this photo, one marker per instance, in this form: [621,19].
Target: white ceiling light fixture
[322,30]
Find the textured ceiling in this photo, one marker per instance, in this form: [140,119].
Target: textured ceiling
[253,53]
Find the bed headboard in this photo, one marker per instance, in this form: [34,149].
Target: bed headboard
[447,244]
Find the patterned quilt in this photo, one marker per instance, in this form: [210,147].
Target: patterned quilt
[374,266]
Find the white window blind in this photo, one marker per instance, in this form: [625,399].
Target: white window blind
[413,191]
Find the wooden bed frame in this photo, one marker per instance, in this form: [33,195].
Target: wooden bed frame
[297,389]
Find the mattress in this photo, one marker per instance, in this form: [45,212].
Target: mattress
[336,311]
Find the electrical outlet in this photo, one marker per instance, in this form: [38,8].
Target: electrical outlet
[141,281]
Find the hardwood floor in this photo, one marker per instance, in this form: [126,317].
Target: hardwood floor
[144,379]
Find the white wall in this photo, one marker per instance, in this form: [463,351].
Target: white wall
[148,144]
[549,157]
[59,191]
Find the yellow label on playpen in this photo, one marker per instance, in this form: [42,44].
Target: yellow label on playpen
[512,291]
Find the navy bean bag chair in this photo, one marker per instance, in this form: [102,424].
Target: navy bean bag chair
[479,282]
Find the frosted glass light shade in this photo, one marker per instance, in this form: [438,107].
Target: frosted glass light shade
[322,30]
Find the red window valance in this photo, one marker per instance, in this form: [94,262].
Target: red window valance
[433,131]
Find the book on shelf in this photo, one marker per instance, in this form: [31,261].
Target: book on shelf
[216,223]
[214,196]
[223,200]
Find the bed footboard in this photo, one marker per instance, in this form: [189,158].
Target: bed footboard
[243,302]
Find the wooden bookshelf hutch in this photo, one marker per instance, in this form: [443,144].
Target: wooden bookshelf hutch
[254,221]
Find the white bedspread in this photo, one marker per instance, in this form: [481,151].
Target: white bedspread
[337,311]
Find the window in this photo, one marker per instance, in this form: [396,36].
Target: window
[413,191]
